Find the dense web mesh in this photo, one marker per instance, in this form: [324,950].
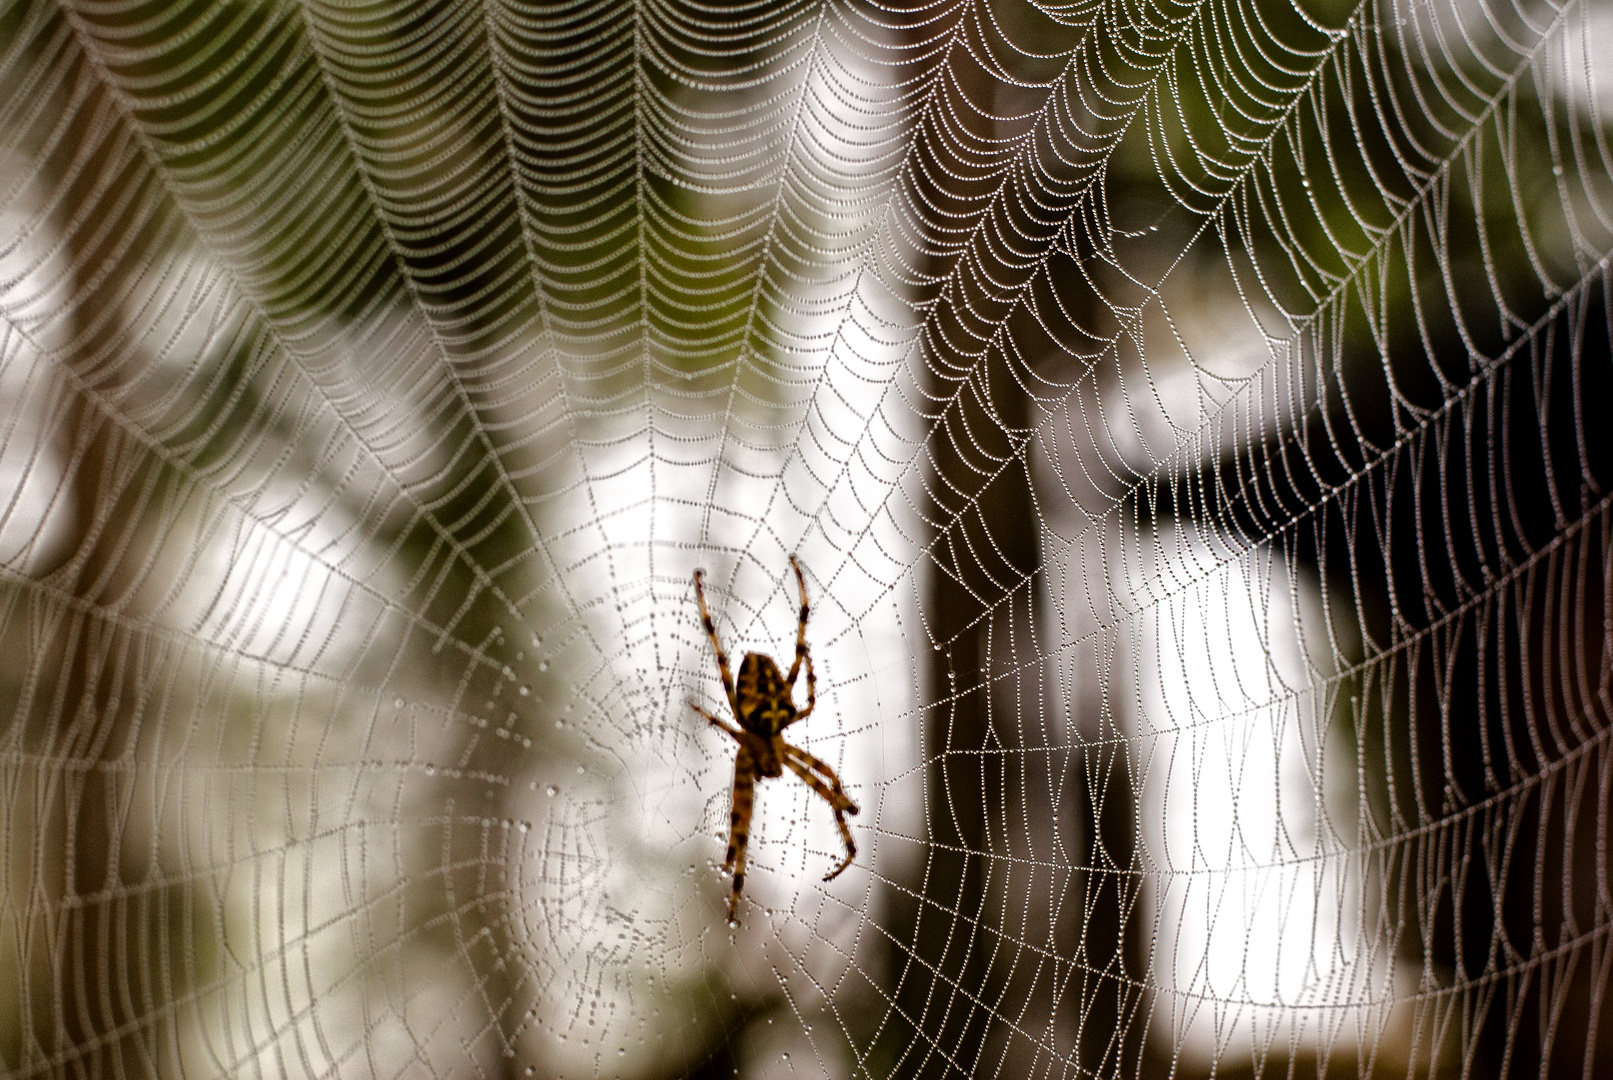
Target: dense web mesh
[1191,418]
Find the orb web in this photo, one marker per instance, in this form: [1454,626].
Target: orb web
[1187,417]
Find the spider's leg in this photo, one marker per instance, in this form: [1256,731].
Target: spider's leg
[715,721]
[716,646]
[812,694]
[801,652]
[837,802]
[821,767]
[744,800]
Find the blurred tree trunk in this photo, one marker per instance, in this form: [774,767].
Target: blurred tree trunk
[980,940]
[1029,838]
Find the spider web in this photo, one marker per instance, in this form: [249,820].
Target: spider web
[1189,415]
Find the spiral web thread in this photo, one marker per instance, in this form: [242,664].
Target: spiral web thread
[1189,415]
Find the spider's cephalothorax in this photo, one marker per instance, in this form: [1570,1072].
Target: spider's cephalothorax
[763,702]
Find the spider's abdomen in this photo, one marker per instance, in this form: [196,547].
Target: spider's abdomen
[765,704]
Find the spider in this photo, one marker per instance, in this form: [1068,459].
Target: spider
[764,704]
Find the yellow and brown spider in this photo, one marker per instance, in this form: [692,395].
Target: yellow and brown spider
[764,704]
